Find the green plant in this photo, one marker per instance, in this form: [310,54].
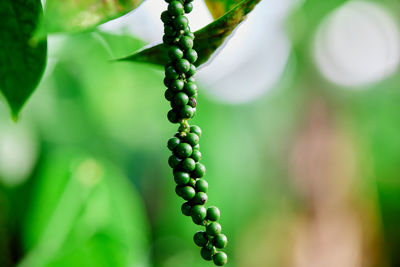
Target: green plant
[185,160]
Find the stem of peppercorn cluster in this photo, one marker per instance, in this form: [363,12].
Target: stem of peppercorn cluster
[185,159]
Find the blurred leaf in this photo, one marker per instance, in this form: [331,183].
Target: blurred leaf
[84,213]
[21,61]
[79,15]
[207,39]
[218,8]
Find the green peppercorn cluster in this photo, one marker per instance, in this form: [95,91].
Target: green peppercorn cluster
[185,159]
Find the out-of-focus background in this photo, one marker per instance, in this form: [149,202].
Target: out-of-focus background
[300,117]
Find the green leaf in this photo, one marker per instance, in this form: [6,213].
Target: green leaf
[207,39]
[84,212]
[21,60]
[79,15]
[218,8]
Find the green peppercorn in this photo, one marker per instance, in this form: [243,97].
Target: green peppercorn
[220,241]
[181,99]
[195,129]
[165,17]
[173,142]
[196,155]
[200,238]
[180,22]
[200,198]
[213,214]
[177,85]
[190,79]
[170,31]
[188,7]
[213,229]
[187,112]
[191,55]
[178,190]
[220,258]
[186,43]
[173,161]
[206,253]
[175,8]
[192,139]
[169,95]
[191,71]
[190,88]
[167,82]
[182,66]
[188,165]
[199,170]
[172,116]
[196,147]
[181,178]
[188,193]
[201,186]
[175,53]
[171,74]
[184,150]
[186,208]
[198,212]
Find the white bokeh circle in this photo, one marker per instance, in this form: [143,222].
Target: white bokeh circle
[358,44]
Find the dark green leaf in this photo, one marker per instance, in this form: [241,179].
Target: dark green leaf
[21,60]
[79,15]
[218,8]
[207,39]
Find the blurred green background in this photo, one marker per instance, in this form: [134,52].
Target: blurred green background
[305,170]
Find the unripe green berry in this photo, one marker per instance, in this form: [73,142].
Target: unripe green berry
[192,183]
[195,129]
[173,116]
[190,88]
[191,71]
[167,82]
[169,30]
[188,165]
[190,79]
[188,193]
[220,241]
[177,85]
[200,198]
[175,8]
[186,43]
[175,53]
[213,229]
[198,213]
[192,139]
[220,258]
[171,74]
[201,186]
[182,66]
[188,7]
[196,155]
[186,208]
[206,253]
[169,95]
[181,99]
[173,161]
[200,238]
[180,22]
[165,17]
[181,178]
[199,170]
[187,112]
[173,142]
[178,190]
[213,214]
[191,55]
[183,150]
